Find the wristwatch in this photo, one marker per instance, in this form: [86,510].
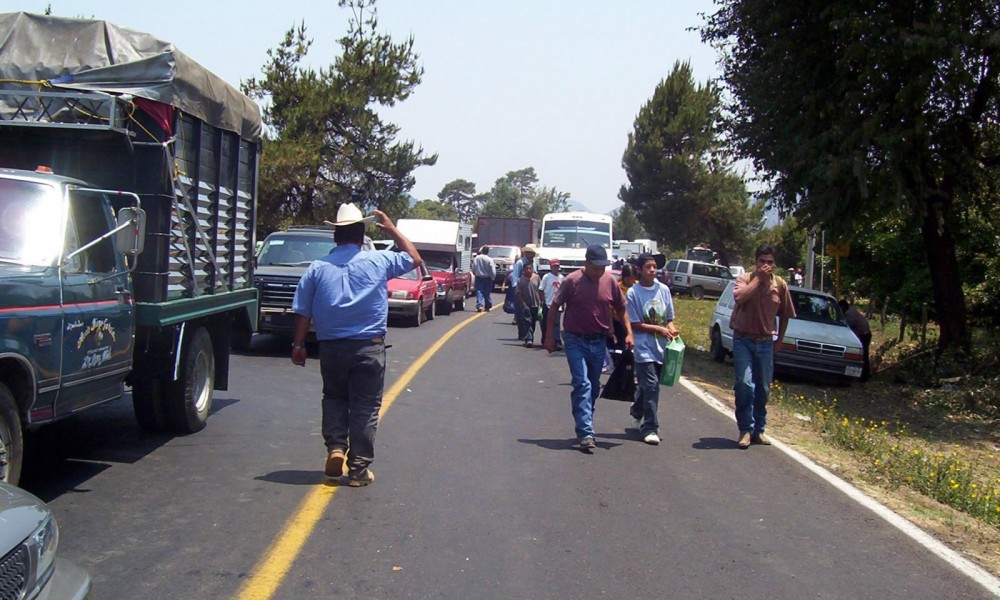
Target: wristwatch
[294,346]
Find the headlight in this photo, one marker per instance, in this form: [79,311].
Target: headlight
[440,288]
[42,544]
[399,294]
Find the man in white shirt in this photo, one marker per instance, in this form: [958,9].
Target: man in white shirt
[550,285]
[485,272]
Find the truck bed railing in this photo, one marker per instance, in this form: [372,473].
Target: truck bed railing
[73,110]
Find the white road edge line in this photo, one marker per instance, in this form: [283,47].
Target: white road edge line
[967,567]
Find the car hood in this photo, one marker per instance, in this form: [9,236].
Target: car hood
[20,515]
[827,333]
[403,285]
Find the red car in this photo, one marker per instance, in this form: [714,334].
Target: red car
[412,296]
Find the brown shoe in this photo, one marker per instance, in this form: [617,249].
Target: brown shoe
[334,463]
[366,477]
[744,441]
[760,438]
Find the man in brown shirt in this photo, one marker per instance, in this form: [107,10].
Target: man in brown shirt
[588,295]
[762,299]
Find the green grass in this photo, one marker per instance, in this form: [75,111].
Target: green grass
[692,318]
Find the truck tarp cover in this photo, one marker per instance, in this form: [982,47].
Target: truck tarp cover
[88,55]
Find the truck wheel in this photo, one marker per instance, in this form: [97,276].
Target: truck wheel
[11,440]
[190,397]
[445,307]
[697,293]
[429,313]
[717,349]
[148,403]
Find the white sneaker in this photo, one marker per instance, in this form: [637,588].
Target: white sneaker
[636,423]
[651,438]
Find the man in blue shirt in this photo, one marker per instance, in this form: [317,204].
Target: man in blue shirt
[345,294]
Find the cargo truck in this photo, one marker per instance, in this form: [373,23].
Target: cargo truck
[128,178]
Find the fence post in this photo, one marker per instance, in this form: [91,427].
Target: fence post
[885,308]
[902,327]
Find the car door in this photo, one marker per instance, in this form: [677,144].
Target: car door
[98,309]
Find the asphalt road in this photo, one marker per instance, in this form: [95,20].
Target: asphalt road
[478,494]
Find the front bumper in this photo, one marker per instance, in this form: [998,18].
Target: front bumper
[68,582]
[798,362]
[403,308]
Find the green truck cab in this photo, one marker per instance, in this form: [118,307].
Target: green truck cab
[126,259]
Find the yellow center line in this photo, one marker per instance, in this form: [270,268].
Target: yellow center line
[271,570]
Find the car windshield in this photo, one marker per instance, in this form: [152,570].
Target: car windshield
[816,308]
[495,252]
[413,275]
[293,251]
[576,234]
[29,223]
[436,261]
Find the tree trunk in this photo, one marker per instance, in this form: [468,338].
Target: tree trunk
[946,283]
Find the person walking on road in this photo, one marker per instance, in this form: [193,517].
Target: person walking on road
[651,313]
[529,298]
[345,295]
[485,272]
[549,286]
[527,258]
[588,295]
[762,297]
[861,328]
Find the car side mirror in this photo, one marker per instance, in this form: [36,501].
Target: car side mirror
[428,278]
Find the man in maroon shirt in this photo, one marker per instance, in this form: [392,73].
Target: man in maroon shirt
[588,295]
[762,299]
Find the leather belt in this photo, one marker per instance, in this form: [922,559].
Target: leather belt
[755,338]
[589,336]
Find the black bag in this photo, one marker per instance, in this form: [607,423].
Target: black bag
[621,382]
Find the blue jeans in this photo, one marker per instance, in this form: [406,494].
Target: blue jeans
[484,288]
[754,363]
[585,358]
[647,396]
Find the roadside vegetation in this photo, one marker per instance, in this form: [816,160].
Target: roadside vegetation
[922,436]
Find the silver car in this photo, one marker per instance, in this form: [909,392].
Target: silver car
[29,538]
[817,341]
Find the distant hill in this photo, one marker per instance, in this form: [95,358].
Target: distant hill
[575,206]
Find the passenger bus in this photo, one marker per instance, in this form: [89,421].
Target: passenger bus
[565,236]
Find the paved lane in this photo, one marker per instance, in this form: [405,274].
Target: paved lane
[478,495]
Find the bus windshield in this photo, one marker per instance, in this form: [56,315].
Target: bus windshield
[575,234]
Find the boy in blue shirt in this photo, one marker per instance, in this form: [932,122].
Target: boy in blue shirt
[651,313]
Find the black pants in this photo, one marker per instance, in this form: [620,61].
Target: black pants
[866,342]
[353,376]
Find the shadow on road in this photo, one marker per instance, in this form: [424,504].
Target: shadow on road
[294,477]
[61,457]
[714,443]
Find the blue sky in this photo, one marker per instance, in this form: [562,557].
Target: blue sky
[508,84]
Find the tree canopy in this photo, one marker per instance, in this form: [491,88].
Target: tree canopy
[678,183]
[518,194]
[325,143]
[432,209]
[857,112]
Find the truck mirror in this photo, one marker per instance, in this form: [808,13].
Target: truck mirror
[131,239]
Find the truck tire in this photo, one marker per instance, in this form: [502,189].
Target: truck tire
[445,307]
[11,439]
[717,349]
[149,404]
[697,292]
[189,399]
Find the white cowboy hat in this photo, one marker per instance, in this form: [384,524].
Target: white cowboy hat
[348,214]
